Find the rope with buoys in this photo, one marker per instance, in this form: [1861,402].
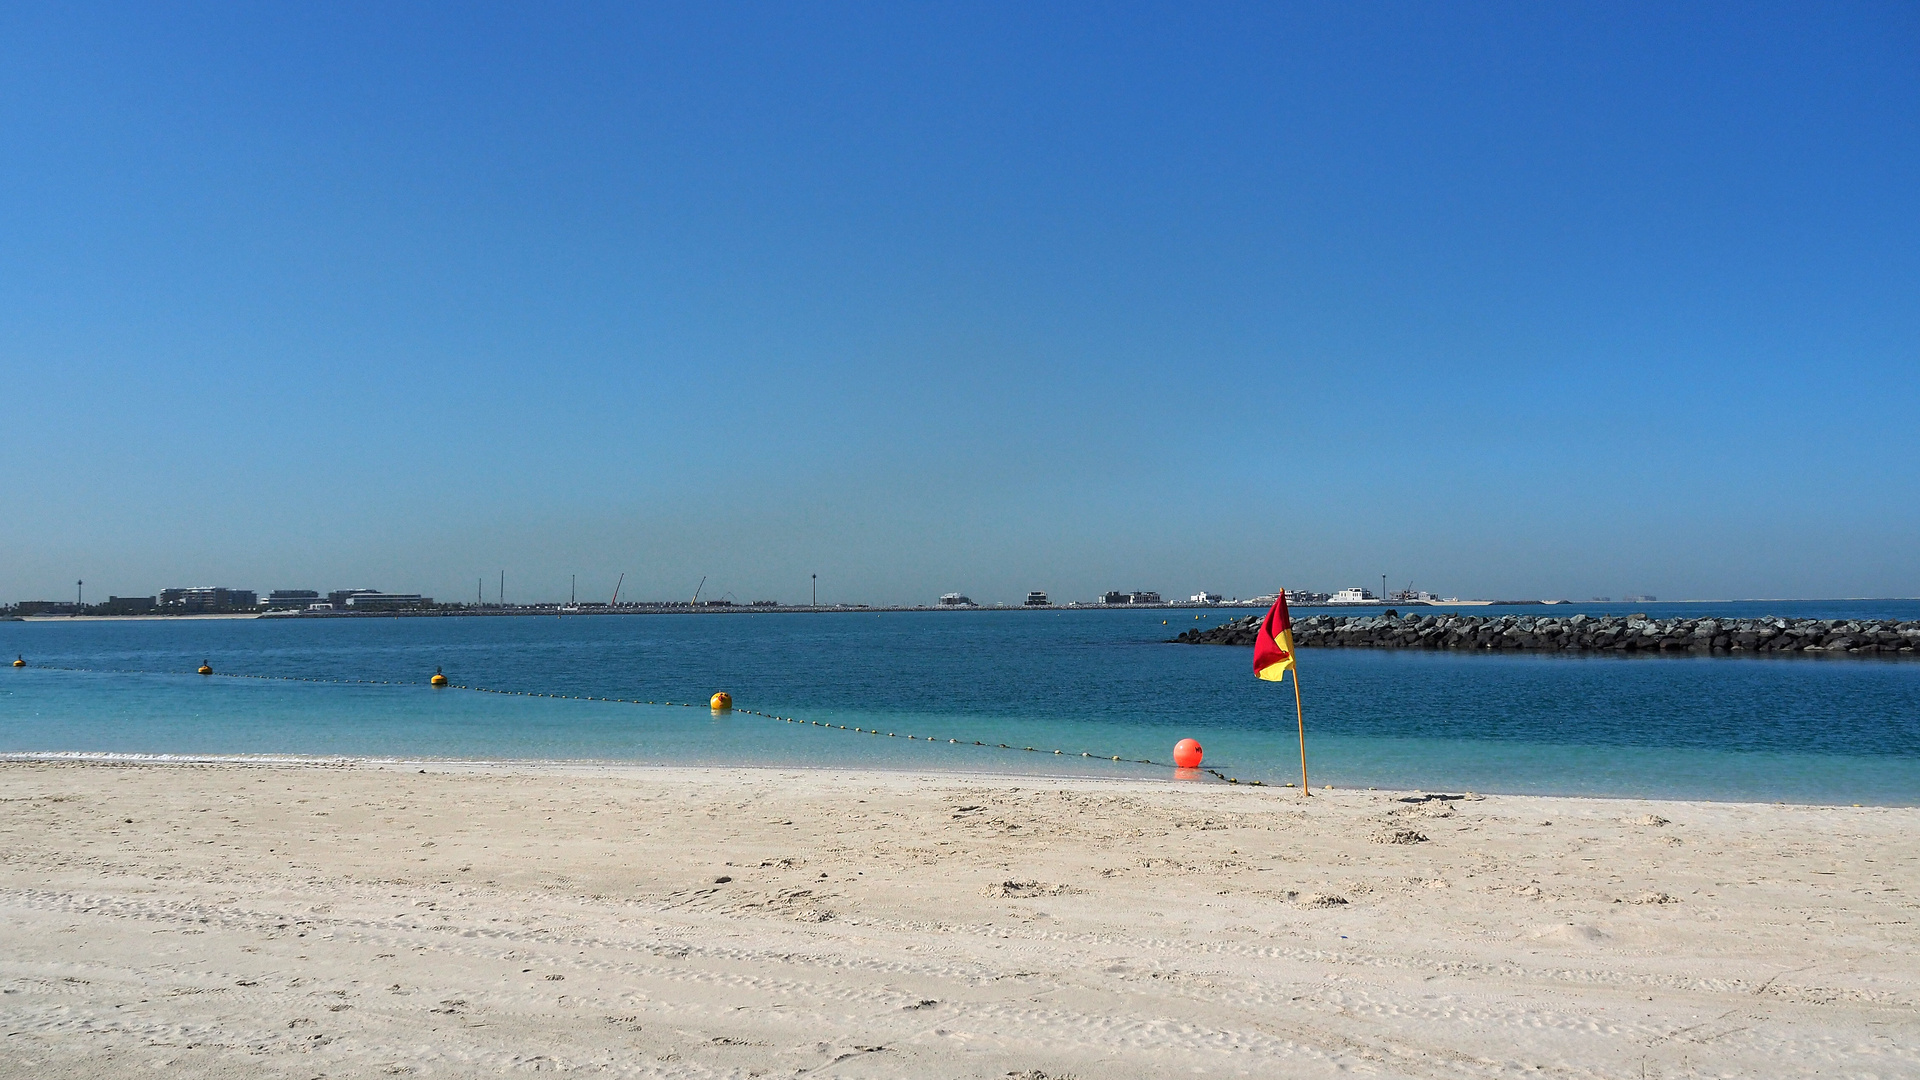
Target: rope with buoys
[720,702]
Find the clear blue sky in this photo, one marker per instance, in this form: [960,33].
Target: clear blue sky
[1506,300]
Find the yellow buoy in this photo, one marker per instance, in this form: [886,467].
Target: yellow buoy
[438,679]
[19,661]
[721,701]
[206,668]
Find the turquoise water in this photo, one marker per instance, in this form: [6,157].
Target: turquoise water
[1099,682]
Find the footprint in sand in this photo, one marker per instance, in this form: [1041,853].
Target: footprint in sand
[1568,934]
[1399,836]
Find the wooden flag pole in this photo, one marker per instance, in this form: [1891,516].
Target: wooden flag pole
[1301,715]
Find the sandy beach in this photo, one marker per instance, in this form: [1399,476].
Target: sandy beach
[314,920]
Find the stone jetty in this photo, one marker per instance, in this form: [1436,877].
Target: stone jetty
[1583,633]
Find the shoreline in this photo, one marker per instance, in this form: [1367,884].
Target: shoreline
[610,768]
[294,920]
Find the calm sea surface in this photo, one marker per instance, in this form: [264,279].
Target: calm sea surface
[1098,682]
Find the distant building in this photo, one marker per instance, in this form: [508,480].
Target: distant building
[379,601]
[339,597]
[1205,597]
[954,599]
[1036,598]
[128,605]
[1353,596]
[45,607]
[1148,597]
[1300,598]
[290,599]
[1116,598]
[1645,598]
[207,600]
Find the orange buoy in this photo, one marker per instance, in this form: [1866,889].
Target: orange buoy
[19,661]
[721,701]
[206,668]
[438,679]
[1186,754]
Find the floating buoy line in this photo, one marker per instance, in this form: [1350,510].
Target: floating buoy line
[721,702]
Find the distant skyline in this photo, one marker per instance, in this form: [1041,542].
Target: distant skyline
[1506,301]
[488,591]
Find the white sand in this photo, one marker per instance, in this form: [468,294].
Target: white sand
[368,921]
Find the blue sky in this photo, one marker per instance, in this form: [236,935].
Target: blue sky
[1505,300]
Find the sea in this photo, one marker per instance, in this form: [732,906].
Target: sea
[980,691]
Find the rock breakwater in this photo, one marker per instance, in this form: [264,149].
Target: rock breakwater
[1583,633]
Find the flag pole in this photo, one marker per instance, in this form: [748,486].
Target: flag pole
[1301,715]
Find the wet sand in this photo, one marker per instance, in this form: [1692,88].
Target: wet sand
[295,920]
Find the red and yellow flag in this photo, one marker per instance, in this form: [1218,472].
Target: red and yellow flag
[1273,645]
